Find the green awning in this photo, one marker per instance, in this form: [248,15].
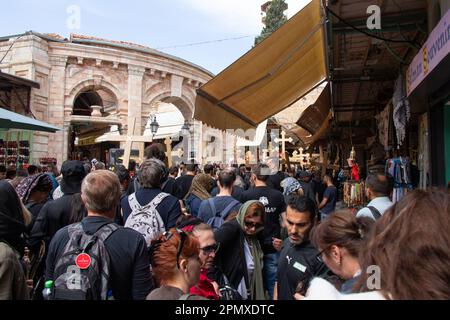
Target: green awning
[12,120]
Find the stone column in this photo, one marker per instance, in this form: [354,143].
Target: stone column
[135,82]
[58,142]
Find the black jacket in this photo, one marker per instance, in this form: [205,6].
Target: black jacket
[53,216]
[130,276]
[231,257]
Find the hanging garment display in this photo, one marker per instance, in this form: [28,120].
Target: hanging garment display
[354,194]
[400,170]
[402,113]
[383,120]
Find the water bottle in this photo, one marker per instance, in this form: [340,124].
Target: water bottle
[47,292]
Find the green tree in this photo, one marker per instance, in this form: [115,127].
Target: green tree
[275,18]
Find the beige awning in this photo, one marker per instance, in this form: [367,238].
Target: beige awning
[315,119]
[268,78]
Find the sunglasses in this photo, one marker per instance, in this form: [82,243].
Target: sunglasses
[250,225]
[319,255]
[210,249]
[183,236]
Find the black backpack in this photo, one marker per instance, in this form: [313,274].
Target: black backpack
[82,271]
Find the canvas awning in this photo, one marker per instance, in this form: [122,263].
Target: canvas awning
[315,119]
[270,77]
[12,120]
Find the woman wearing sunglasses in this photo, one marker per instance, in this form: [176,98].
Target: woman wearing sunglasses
[240,255]
[175,265]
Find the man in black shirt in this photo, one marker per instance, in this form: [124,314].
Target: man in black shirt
[129,274]
[276,176]
[183,183]
[274,204]
[299,261]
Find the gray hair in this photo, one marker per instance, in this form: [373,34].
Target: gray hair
[100,191]
[151,173]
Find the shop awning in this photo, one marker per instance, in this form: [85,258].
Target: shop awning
[314,120]
[270,77]
[12,120]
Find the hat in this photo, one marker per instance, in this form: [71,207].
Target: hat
[27,185]
[73,174]
[303,174]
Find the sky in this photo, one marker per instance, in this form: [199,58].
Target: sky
[175,27]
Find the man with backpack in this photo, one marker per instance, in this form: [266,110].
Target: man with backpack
[378,189]
[96,259]
[215,211]
[149,210]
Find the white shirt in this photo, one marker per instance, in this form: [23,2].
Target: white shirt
[321,289]
[242,288]
[380,203]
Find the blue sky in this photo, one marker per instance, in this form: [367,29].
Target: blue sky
[159,24]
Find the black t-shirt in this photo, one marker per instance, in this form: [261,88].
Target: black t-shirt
[273,201]
[274,180]
[297,263]
[130,276]
[183,184]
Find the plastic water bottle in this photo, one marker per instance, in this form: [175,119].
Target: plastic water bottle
[47,292]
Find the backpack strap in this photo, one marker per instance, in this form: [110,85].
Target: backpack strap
[228,208]
[376,214]
[213,206]
[134,204]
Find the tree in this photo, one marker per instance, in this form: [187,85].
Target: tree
[274,19]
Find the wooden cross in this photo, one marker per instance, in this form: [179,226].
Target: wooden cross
[168,143]
[248,158]
[296,157]
[170,154]
[129,139]
[283,141]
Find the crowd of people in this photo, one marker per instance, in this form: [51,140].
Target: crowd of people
[218,233]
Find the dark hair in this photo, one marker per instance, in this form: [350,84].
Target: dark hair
[131,165]
[261,171]
[410,245]
[227,178]
[87,167]
[379,184]
[122,173]
[155,150]
[78,210]
[208,168]
[191,166]
[343,229]
[11,174]
[22,173]
[32,169]
[2,168]
[302,204]
[173,170]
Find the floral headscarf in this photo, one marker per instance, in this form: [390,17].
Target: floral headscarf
[41,181]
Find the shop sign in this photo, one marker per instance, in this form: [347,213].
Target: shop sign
[435,49]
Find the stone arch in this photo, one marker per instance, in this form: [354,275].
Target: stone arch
[183,104]
[93,84]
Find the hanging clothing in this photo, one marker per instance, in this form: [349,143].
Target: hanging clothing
[402,112]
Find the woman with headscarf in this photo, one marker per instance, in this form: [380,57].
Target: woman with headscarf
[14,218]
[240,256]
[199,191]
[34,192]
[291,186]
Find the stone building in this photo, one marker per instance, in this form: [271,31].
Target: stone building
[89,85]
